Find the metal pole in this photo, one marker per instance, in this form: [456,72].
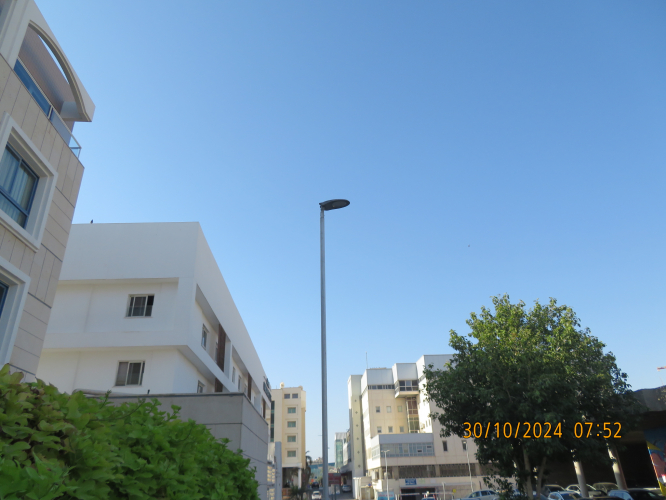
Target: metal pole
[324,393]
[469,467]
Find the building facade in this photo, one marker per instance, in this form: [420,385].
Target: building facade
[41,98]
[287,426]
[394,443]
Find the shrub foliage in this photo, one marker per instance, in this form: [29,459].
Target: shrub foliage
[60,446]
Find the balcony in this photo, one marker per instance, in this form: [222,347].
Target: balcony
[45,105]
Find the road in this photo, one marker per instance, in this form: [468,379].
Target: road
[341,496]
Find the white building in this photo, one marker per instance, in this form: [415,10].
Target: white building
[41,98]
[144,307]
[391,433]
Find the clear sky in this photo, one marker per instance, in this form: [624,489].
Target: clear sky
[486,148]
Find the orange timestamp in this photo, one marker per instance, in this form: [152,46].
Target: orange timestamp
[537,430]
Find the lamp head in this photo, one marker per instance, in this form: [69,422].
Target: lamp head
[333,204]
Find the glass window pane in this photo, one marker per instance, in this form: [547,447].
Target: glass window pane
[139,306]
[122,373]
[134,375]
[21,191]
[10,209]
[8,166]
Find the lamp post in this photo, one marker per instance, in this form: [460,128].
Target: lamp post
[469,467]
[385,452]
[325,207]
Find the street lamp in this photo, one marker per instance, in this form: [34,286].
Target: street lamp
[468,466]
[325,207]
[385,452]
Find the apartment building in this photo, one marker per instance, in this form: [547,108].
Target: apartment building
[393,443]
[41,98]
[287,426]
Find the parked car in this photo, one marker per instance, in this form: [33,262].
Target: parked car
[516,494]
[483,495]
[591,490]
[346,488]
[635,494]
[605,487]
[547,489]
[316,495]
[564,495]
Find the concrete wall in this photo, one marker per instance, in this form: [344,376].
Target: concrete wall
[229,416]
[31,261]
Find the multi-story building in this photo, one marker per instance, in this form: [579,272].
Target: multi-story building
[394,441]
[287,425]
[41,97]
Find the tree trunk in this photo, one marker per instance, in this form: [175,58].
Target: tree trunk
[540,477]
[528,469]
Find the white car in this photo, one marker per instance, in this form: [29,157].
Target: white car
[591,490]
[316,495]
[483,495]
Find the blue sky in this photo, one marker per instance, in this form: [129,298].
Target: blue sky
[486,148]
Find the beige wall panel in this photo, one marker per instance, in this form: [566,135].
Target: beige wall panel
[9,94]
[26,263]
[45,276]
[49,139]
[49,241]
[17,253]
[2,233]
[63,204]
[7,246]
[36,270]
[56,151]
[30,119]
[31,324]
[40,130]
[69,179]
[53,282]
[60,217]
[65,159]
[26,360]
[77,184]
[5,71]
[21,105]
[56,230]
[38,309]
[28,342]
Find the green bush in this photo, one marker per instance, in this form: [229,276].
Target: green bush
[57,446]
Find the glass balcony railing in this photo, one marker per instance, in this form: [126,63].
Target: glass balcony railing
[47,108]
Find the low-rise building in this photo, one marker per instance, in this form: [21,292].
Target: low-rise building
[287,425]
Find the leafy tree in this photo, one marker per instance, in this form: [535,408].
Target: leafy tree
[520,366]
[57,446]
[307,472]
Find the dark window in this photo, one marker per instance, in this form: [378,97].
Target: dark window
[130,373]
[17,186]
[445,446]
[287,396]
[141,306]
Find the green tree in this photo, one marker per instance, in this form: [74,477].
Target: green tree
[520,366]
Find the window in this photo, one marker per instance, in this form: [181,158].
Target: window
[204,336]
[445,446]
[402,429]
[390,430]
[3,294]
[240,381]
[294,396]
[291,453]
[200,387]
[291,439]
[217,350]
[399,409]
[140,306]
[233,375]
[378,409]
[17,186]
[130,373]
[287,396]
[464,443]
[291,423]
[379,429]
[291,409]
[388,409]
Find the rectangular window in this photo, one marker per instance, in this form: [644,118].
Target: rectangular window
[291,439]
[291,453]
[233,375]
[294,396]
[464,443]
[378,409]
[3,295]
[17,186]
[291,409]
[291,423]
[379,429]
[200,387]
[402,429]
[217,350]
[287,396]
[399,409]
[204,336]
[390,430]
[130,373]
[240,381]
[388,409]
[445,446]
[140,306]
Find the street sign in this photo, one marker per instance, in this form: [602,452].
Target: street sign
[410,482]
[334,478]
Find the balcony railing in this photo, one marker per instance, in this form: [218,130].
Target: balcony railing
[47,108]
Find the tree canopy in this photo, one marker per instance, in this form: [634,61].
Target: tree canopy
[520,366]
